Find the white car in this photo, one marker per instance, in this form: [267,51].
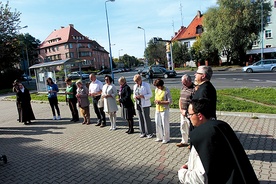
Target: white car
[265,65]
[78,75]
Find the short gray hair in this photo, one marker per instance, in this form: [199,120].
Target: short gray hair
[207,70]
[186,77]
[122,79]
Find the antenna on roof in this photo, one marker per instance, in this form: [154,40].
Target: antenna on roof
[173,26]
[180,8]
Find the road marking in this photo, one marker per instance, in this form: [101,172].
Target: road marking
[257,80]
[221,78]
[237,79]
[270,81]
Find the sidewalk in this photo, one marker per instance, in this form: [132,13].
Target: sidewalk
[51,151]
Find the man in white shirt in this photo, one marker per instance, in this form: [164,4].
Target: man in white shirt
[217,155]
[95,91]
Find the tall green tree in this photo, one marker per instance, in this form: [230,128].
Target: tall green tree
[9,45]
[129,61]
[180,53]
[232,27]
[156,52]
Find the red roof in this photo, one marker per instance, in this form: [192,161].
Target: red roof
[189,32]
[64,35]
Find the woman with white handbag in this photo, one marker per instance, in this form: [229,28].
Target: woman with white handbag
[109,93]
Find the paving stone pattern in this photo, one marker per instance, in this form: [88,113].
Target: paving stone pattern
[60,151]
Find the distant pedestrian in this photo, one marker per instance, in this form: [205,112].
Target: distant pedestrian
[142,94]
[24,104]
[109,94]
[71,91]
[52,98]
[15,90]
[127,106]
[163,99]
[95,91]
[83,101]
[186,94]
[150,75]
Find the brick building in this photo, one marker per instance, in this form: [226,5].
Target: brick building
[66,43]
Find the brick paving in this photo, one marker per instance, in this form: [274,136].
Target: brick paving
[60,151]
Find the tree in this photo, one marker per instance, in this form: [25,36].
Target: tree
[232,27]
[180,53]
[129,61]
[9,45]
[28,46]
[156,52]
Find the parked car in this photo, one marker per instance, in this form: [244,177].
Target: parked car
[104,71]
[26,77]
[78,75]
[265,65]
[158,72]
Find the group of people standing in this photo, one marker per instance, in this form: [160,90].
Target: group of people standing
[216,155]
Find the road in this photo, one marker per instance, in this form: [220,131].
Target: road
[220,79]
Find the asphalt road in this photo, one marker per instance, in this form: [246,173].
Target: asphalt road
[220,79]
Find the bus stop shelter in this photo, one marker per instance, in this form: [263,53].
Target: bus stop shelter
[57,70]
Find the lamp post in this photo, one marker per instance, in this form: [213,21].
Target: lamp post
[110,53]
[145,42]
[119,54]
[262,31]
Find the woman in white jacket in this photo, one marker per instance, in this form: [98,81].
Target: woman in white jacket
[109,93]
[142,94]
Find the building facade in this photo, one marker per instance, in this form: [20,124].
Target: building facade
[67,43]
[266,42]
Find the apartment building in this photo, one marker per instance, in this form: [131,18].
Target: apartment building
[66,43]
[266,39]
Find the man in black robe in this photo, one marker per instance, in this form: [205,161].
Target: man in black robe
[216,147]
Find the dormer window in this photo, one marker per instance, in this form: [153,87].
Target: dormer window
[199,29]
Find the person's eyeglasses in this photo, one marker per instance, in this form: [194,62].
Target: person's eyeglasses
[106,79]
[190,115]
[199,73]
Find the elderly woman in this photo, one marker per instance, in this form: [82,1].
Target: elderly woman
[163,99]
[142,94]
[83,101]
[109,93]
[126,103]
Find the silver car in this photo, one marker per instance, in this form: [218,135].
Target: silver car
[265,65]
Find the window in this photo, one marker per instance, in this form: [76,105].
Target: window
[255,43]
[268,19]
[268,34]
[199,30]
[274,3]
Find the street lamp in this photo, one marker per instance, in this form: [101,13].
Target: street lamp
[262,31]
[110,53]
[144,41]
[119,54]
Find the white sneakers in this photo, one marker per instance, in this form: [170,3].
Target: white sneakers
[58,117]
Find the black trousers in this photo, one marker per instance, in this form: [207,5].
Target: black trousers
[54,104]
[73,108]
[99,111]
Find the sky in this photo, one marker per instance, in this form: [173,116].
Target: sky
[159,18]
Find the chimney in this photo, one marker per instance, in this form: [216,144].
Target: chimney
[198,14]
[71,25]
